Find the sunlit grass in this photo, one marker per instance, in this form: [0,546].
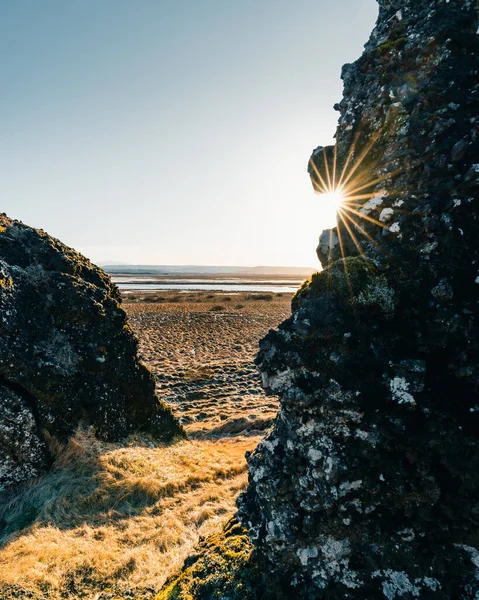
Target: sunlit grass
[117,519]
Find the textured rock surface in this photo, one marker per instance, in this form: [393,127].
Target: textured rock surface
[23,453]
[67,353]
[367,486]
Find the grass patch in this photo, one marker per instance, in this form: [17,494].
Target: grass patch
[116,520]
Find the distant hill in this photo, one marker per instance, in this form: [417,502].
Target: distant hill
[300,271]
[110,263]
[205,270]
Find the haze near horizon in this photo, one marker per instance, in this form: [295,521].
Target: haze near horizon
[173,133]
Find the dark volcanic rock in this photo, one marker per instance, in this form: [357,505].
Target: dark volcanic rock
[23,453]
[67,353]
[368,485]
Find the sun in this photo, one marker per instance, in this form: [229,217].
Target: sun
[334,198]
[343,194]
[330,204]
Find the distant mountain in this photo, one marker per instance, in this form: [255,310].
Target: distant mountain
[115,269]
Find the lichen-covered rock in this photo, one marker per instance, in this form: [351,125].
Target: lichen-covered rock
[66,346]
[367,486]
[23,453]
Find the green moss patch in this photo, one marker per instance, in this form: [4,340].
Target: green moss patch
[223,568]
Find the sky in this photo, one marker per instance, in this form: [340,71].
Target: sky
[173,131]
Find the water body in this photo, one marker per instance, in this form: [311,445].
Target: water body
[223,280]
[218,287]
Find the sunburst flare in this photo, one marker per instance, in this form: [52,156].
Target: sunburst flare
[346,191]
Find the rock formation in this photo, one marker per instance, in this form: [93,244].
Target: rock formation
[368,487]
[67,354]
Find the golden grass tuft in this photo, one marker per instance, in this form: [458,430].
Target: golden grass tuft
[114,520]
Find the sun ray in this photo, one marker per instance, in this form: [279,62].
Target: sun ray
[330,254]
[351,233]
[345,266]
[361,229]
[328,176]
[359,178]
[335,153]
[350,199]
[348,159]
[367,217]
[324,187]
[361,157]
[375,181]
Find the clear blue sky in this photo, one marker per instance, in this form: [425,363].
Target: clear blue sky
[172,131]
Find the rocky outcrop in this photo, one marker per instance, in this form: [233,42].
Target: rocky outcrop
[367,486]
[67,354]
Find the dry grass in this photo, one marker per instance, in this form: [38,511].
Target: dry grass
[112,520]
[252,302]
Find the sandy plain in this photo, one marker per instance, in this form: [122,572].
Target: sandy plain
[201,348]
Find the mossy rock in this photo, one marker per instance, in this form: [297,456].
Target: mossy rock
[224,567]
[357,284]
